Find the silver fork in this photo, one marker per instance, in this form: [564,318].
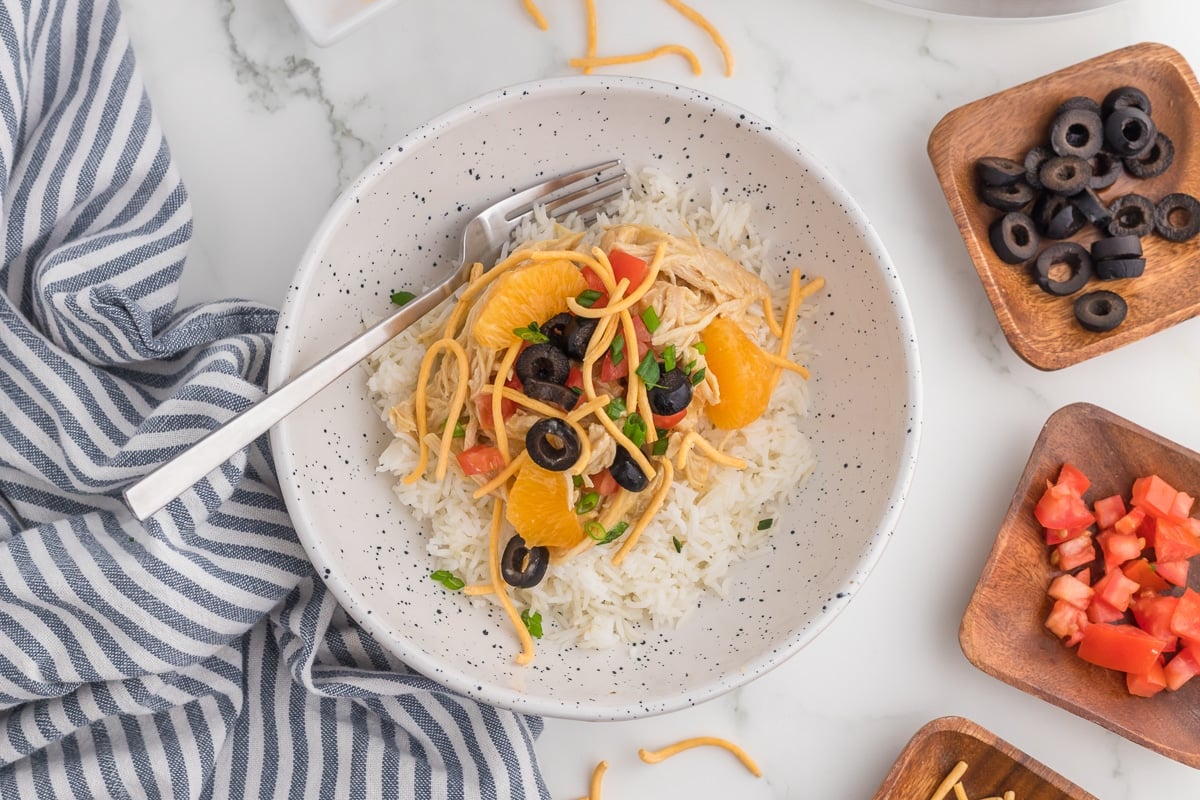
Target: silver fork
[585,192]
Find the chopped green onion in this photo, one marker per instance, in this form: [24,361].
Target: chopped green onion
[701,348]
[688,367]
[596,531]
[533,623]
[531,334]
[615,408]
[763,524]
[577,481]
[460,430]
[648,370]
[402,298]
[587,503]
[650,317]
[660,445]
[678,544]
[669,358]
[617,349]
[588,297]
[577,390]
[448,579]
[697,376]
[635,429]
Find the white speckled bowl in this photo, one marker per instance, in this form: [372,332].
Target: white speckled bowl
[398,226]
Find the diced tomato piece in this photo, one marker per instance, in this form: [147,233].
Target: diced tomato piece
[1146,684]
[1117,548]
[1182,506]
[1060,507]
[604,483]
[1115,589]
[1126,648]
[1174,571]
[1173,541]
[483,407]
[1141,571]
[1066,622]
[1074,553]
[1071,477]
[1153,495]
[1072,590]
[1085,575]
[1058,536]
[668,421]
[596,285]
[1108,510]
[611,372]
[1147,530]
[1100,610]
[630,267]
[574,378]
[1182,668]
[1153,615]
[480,459]
[1185,621]
[1130,522]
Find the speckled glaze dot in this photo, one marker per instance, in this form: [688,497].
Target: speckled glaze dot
[398,225]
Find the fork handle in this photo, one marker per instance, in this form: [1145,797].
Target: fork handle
[176,476]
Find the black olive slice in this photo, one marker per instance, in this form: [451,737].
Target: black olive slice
[521,566]
[1092,207]
[1056,218]
[1033,164]
[1128,131]
[1013,237]
[1116,247]
[1177,217]
[578,335]
[1106,169]
[543,362]
[552,444]
[1063,256]
[1065,175]
[1156,159]
[1101,310]
[998,171]
[555,329]
[1013,197]
[1112,269]
[554,393]
[1077,132]
[1085,103]
[1125,97]
[672,393]
[1132,215]
[626,472]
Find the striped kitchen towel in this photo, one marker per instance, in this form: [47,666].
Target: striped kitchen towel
[197,655]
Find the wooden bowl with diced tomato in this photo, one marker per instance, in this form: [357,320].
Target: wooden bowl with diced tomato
[1090,598]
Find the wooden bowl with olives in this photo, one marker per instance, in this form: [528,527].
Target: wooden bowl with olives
[1080,212]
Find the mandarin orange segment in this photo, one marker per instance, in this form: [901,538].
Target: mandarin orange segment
[539,508]
[534,292]
[742,371]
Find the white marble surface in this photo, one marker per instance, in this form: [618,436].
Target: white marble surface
[266,128]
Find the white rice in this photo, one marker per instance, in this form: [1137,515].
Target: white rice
[587,601]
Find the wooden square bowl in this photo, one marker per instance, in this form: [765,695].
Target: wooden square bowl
[1003,631]
[993,766]
[1040,327]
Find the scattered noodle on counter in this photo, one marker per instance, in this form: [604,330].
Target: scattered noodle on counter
[591,60]
[655,756]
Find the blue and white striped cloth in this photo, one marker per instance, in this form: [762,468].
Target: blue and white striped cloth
[198,655]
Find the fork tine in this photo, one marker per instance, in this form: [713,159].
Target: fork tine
[589,199]
[523,202]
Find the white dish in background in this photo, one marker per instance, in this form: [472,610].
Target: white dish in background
[996,9]
[326,21]
[398,225]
